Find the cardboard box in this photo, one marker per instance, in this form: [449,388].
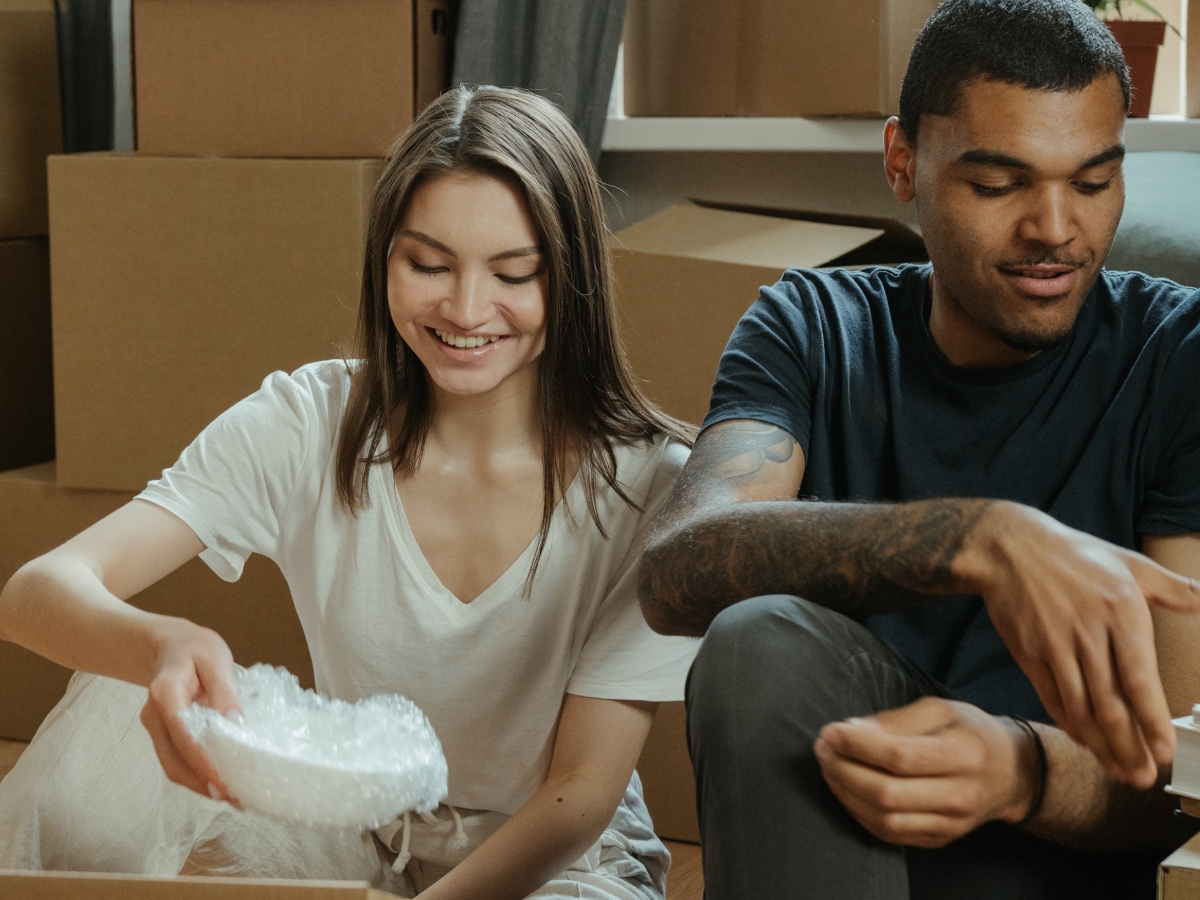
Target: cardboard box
[284,78]
[692,271]
[30,114]
[255,615]
[179,284]
[763,58]
[26,373]
[1179,873]
[79,885]
[667,781]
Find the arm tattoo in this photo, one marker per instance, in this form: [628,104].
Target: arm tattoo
[710,551]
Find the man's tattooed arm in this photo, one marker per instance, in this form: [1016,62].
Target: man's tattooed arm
[733,529]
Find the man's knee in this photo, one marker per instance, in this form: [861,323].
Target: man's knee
[765,637]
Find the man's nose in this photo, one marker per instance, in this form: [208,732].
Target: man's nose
[1050,218]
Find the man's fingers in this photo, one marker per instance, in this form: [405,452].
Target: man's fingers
[871,743]
[1085,732]
[1114,721]
[1165,588]
[888,793]
[1137,670]
[925,716]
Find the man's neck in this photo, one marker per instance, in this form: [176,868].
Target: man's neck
[961,339]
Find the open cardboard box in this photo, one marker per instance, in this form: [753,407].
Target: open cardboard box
[284,78]
[86,886]
[687,274]
[1179,873]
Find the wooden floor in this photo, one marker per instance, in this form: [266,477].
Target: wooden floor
[685,881]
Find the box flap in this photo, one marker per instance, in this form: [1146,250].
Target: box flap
[899,242]
[742,238]
[73,885]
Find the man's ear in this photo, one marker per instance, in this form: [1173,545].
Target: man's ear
[899,160]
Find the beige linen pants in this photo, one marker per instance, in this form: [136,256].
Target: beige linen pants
[89,795]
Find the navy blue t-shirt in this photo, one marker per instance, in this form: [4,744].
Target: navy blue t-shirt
[1102,432]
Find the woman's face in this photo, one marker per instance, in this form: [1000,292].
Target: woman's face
[467,284]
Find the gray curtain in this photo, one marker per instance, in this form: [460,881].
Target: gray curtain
[85,69]
[565,50]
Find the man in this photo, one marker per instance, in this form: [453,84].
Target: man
[980,447]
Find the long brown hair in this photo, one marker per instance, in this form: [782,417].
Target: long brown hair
[588,398]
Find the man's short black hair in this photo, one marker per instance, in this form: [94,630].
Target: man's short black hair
[1051,45]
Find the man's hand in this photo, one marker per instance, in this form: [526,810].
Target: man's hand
[1074,611]
[930,772]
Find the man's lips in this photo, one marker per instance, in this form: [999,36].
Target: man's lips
[1041,281]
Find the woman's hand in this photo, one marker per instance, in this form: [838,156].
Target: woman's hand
[194,664]
[595,750]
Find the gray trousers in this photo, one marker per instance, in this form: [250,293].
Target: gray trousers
[772,671]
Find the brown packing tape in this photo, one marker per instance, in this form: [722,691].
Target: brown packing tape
[179,284]
[284,78]
[30,118]
[26,372]
[81,886]
[255,614]
[666,771]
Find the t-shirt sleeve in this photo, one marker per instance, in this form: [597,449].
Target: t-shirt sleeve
[622,658]
[232,484]
[1172,500]
[764,371]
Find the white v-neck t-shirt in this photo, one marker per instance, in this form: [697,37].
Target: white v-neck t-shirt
[490,674]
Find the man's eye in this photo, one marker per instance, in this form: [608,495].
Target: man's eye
[984,190]
[1092,187]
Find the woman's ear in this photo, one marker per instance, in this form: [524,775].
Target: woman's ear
[899,160]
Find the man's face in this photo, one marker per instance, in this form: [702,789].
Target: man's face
[1018,193]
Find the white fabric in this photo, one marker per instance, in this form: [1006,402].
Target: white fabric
[491,674]
[89,795]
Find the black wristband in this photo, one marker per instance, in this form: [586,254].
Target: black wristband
[1043,770]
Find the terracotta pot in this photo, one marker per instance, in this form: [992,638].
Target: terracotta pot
[1139,42]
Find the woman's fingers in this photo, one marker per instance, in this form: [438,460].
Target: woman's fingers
[169,757]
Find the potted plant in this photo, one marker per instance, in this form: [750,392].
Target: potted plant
[1139,40]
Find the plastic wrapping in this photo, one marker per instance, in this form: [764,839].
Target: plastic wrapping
[298,756]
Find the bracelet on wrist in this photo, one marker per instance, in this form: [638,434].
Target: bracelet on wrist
[1039,794]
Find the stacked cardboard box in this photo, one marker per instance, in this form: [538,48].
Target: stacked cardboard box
[30,130]
[181,277]
[761,58]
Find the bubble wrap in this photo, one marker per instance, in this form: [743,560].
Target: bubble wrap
[301,757]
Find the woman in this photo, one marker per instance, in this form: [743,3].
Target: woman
[458,516]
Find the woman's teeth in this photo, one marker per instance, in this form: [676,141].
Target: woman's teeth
[455,340]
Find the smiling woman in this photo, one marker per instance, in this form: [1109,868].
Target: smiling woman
[459,512]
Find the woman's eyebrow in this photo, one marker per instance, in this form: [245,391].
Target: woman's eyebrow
[426,239]
[513,254]
[438,245]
